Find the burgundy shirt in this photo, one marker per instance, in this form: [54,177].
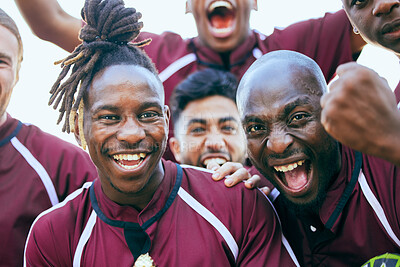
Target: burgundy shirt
[326,40]
[37,170]
[397,93]
[203,224]
[358,220]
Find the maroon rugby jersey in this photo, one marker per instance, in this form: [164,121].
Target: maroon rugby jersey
[203,225]
[359,218]
[326,40]
[37,170]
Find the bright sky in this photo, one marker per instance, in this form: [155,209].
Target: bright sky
[30,96]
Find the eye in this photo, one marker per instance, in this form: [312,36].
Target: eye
[229,129]
[109,117]
[298,119]
[358,2]
[149,115]
[254,129]
[197,130]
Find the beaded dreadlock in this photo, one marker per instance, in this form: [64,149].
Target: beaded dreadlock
[110,26]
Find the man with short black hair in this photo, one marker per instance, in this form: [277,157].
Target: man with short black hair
[206,119]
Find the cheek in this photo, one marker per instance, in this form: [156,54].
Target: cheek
[253,149]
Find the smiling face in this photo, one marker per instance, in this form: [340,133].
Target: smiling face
[377,20]
[287,143]
[8,68]
[126,126]
[222,25]
[209,128]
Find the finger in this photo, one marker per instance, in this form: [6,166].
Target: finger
[226,169]
[213,165]
[344,68]
[238,176]
[266,190]
[252,182]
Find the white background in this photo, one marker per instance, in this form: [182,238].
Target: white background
[30,96]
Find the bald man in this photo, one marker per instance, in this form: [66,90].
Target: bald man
[328,200]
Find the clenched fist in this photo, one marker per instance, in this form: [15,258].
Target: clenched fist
[360,111]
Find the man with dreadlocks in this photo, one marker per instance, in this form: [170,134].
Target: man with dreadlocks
[141,208]
[37,170]
[225,40]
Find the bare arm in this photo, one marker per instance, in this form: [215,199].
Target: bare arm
[50,22]
[360,111]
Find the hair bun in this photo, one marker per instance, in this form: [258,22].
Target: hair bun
[116,23]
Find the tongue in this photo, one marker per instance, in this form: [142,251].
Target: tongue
[221,22]
[129,162]
[296,178]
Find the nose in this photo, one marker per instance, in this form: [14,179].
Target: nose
[131,132]
[383,7]
[215,142]
[279,141]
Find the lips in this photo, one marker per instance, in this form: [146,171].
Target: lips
[221,15]
[391,30]
[295,176]
[129,161]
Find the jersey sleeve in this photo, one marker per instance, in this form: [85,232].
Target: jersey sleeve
[41,250]
[263,242]
[326,40]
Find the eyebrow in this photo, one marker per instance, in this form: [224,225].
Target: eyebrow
[197,120]
[226,119]
[301,101]
[114,108]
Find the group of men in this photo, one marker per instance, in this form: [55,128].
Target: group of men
[331,200]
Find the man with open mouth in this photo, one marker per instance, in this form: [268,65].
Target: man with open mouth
[337,206]
[225,40]
[141,210]
[206,120]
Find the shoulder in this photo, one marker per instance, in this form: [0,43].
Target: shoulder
[55,232]
[51,150]
[201,186]
[61,219]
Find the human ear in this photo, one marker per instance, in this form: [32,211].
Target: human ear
[175,148]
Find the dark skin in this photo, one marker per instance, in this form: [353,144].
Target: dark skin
[50,22]
[126,126]
[360,109]
[280,111]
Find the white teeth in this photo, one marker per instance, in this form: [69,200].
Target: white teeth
[219,4]
[129,156]
[219,161]
[289,167]
[129,167]
[222,30]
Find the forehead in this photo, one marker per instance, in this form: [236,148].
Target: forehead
[8,43]
[129,80]
[265,92]
[210,108]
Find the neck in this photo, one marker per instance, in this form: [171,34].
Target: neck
[3,118]
[142,193]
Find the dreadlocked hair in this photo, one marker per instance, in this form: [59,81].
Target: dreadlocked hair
[106,40]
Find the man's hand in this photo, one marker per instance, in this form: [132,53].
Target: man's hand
[235,173]
[360,111]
